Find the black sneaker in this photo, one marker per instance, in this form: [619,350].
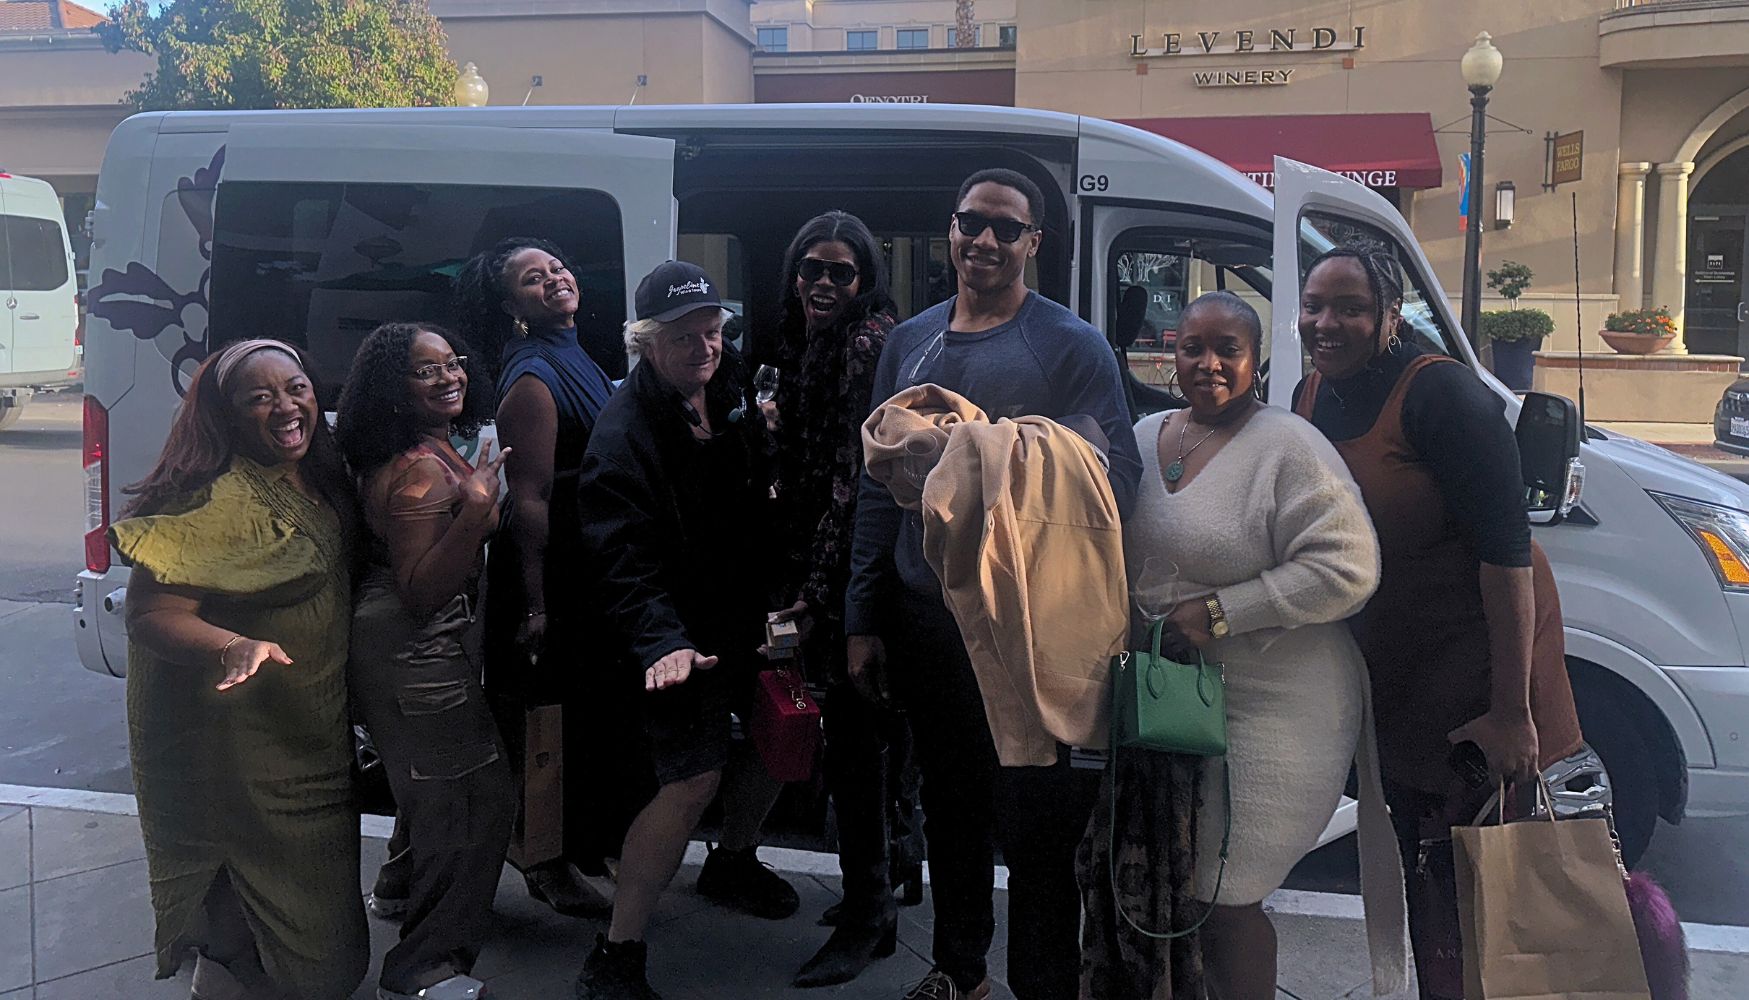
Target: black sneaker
[740,881]
[615,972]
[939,986]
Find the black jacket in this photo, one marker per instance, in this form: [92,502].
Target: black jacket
[672,524]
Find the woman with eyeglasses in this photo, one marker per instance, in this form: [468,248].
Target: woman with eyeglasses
[520,301]
[837,313]
[415,668]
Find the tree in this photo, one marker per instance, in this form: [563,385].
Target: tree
[1510,279]
[215,54]
[964,24]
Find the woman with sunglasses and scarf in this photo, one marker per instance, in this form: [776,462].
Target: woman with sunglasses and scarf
[1463,639]
[415,669]
[836,316]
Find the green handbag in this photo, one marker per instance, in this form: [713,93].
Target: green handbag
[1162,705]
[1168,706]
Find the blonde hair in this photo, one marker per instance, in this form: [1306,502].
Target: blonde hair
[640,333]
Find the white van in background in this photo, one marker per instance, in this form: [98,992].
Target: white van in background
[315,226]
[39,303]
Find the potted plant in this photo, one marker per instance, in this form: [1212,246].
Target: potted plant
[1517,334]
[1640,331]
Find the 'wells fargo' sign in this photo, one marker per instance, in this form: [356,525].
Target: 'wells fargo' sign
[1569,159]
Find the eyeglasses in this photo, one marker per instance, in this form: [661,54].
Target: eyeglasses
[429,374]
[971,225]
[811,268]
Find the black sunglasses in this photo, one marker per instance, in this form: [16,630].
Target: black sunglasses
[971,225]
[810,269]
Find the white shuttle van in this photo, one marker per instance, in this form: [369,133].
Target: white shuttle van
[315,226]
[39,292]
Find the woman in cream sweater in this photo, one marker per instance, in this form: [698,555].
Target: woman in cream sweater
[1252,540]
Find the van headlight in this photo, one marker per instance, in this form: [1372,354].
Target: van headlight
[1722,534]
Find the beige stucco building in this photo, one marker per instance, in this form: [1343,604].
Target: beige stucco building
[1659,88]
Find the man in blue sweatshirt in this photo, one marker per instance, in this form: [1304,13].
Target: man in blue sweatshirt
[1013,353]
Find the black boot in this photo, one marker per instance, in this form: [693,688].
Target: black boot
[856,941]
[738,879]
[615,971]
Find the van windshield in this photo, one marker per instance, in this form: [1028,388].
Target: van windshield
[33,252]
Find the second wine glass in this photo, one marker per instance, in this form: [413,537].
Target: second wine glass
[765,384]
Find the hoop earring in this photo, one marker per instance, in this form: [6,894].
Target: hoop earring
[1257,388]
[1393,342]
[520,326]
[1172,385]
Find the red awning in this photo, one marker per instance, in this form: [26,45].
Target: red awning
[1383,150]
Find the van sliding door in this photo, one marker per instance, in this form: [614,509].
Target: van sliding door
[323,231]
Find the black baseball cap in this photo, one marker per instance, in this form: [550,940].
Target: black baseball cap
[674,289]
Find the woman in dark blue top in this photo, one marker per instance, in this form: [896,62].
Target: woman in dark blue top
[520,300]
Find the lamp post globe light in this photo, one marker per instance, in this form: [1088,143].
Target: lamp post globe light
[470,88]
[1481,70]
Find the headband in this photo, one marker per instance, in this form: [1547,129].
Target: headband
[231,358]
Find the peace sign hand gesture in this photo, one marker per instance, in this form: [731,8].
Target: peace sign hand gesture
[480,490]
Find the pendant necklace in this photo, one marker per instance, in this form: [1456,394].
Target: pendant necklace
[1175,471]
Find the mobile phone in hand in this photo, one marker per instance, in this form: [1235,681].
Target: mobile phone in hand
[1469,763]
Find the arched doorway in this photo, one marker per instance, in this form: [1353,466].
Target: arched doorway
[1716,313]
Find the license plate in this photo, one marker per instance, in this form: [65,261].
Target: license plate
[1740,427]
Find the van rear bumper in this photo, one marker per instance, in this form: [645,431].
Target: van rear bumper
[98,631]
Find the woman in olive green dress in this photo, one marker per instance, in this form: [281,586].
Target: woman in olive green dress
[238,611]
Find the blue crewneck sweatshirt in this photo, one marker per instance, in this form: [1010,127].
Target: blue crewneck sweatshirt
[1046,361]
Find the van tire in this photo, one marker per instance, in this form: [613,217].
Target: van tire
[1633,776]
[10,415]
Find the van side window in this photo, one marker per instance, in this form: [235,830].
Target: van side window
[1152,273]
[323,264]
[1421,322]
[33,252]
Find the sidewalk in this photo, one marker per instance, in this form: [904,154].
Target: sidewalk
[75,922]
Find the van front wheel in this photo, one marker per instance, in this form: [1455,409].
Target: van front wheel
[1633,777]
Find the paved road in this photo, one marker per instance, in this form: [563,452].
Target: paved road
[63,726]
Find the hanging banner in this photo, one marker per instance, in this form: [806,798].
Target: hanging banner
[1464,198]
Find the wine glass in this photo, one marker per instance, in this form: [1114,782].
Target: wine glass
[765,384]
[922,452]
[1153,589]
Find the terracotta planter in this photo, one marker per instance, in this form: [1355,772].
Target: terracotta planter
[1636,343]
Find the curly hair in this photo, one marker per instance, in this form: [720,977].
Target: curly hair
[480,291]
[375,420]
[1378,261]
[203,440]
[872,297]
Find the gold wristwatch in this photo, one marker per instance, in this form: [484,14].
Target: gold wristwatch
[1217,618]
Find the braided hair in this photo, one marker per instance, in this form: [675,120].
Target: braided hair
[1384,273]
[480,291]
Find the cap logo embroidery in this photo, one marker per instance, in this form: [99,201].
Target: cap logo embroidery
[690,288]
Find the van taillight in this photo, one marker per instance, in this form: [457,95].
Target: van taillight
[95,455]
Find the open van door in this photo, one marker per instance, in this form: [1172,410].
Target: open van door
[324,230]
[1142,264]
[1316,209]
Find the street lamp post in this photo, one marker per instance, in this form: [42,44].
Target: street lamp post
[470,88]
[1481,70]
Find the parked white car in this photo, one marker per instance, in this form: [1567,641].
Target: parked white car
[39,307]
[315,226]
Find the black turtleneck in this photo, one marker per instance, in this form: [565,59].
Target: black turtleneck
[1456,426]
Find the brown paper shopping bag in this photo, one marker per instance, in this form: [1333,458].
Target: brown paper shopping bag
[540,829]
[1543,912]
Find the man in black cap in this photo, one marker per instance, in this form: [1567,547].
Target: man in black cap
[670,495]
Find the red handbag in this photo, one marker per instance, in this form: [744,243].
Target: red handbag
[785,725]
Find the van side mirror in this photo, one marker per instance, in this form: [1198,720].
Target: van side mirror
[1548,435]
